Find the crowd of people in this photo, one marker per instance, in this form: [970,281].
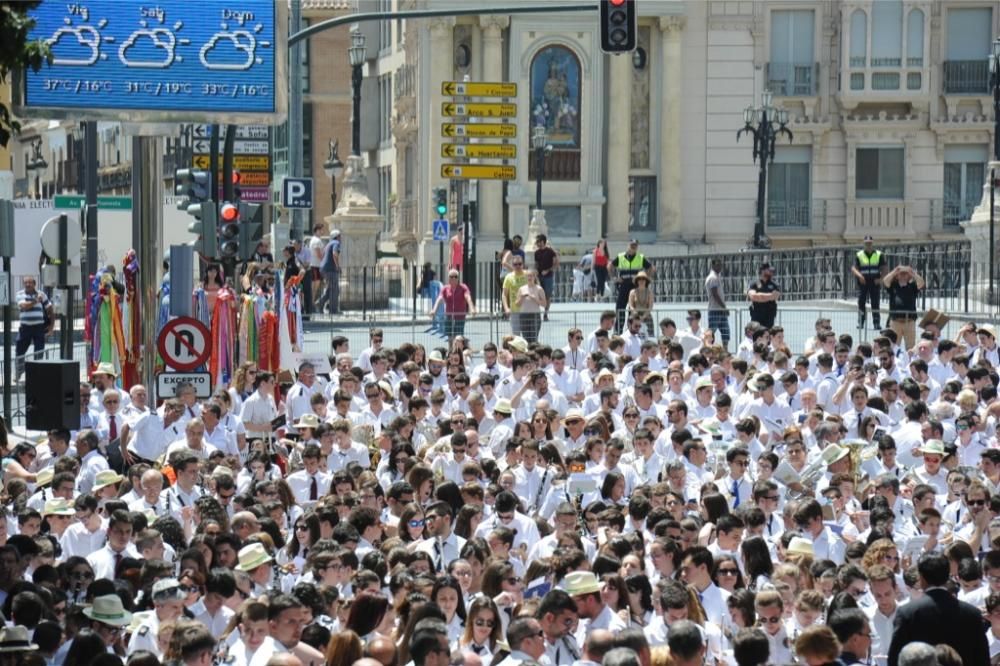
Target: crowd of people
[626,499]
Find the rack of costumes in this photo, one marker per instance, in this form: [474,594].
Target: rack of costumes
[113,320]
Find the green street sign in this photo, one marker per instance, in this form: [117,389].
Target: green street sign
[74,201]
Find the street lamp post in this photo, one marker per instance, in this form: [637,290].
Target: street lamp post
[995,85]
[333,168]
[770,122]
[37,164]
[541,149]
[357,55]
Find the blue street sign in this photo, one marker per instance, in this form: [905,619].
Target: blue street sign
[172,58]
[297,193]
[440,230]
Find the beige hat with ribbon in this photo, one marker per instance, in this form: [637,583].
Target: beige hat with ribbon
[581,582]
[107,477]
[253,556]
[109,610]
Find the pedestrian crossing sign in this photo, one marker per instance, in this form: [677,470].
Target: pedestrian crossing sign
[440,230]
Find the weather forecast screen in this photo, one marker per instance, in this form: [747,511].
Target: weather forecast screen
[168,56]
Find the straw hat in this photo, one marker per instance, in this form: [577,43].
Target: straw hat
[57,506]
[108,610]
[167,589]
[519,344]
[581,582]
[703,382]
[642,275]
[253,556]
[935,447]
[573,415]
[987,329]
[834,452]
[105,369]
[800,546]
[107,477]
[503,407]
[307,421]
[15,639]
[44,477]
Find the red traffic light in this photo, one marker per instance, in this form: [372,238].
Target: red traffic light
[229,213]
[617,3]
[237,178]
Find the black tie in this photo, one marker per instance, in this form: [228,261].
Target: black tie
[313,489]
[113,430]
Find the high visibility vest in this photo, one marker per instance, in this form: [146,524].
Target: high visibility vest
[869,263]
[628,269]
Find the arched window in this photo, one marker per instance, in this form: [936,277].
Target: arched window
[887,33]
[555,95]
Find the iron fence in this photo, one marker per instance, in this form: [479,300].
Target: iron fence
[966,76]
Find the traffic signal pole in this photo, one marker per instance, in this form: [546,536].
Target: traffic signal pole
[147,234]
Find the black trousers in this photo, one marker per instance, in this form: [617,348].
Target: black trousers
[621,303]
[869,291]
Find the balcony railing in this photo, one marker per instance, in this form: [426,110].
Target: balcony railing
[795,214]
[954,211]
[789,79]
[966,77]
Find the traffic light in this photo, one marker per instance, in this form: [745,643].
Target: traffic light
[618,26]
[192,184]
[204,226]
[229,231]
[237,181]
[251,228]
[441,201]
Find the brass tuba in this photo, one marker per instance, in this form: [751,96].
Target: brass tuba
[860,453]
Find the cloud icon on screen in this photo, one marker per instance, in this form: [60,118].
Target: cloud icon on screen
[85,49]
[229,51]
[150,48]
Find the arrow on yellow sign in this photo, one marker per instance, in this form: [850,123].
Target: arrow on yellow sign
[479,130]
[479,110]
[472,171]
[479,89]
[485,150]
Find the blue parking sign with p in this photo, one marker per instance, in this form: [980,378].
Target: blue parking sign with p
[440,228]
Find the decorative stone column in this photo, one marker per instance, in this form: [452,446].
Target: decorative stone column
[669,227]
[491,191]
[618,147]
[977,229]
[359,223]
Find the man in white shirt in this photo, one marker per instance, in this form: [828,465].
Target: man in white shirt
[882,585]
[594,614]
[345,450]
[179,498]
[150,435]
[443,545]
[259,409]
[194,439]
[931,472]
[297,400]
[310,484]
[49,452]
[826,545]
[119,546]
[91,460]
[696,570]
[286,619]
[88,533]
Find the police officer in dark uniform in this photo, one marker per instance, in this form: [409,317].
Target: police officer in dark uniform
[624,269]
[764,295]
[869,269]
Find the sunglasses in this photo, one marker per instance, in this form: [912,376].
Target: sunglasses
[415,524]
[484,623]
[727,572]
[769,620]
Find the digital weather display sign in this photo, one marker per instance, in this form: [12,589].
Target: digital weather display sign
[172,59]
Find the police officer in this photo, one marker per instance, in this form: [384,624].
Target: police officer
[869,269]
[624,268]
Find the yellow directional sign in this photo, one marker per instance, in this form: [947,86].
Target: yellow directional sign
[479,110]
[240,162]
[479,130]
[485,150]
[479,89]
[486,171]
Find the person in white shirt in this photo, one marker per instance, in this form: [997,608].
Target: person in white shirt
[150,435]
[532,479]
[882,585]
[150,487]
[443,545]
[194,439]
[88,533]
[91,460]
[298,397]
[931,472]
[344,450]
[49,452]
[216,434]
[310,484]
[770,611]
[585,588]
[179,498]
[259,409]
[119,546]
[826,545]
[696,568]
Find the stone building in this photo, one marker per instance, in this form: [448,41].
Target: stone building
[888,103]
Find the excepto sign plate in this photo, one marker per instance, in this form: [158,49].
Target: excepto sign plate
[486,171]
[487,151]
[479,130]
[172,59]
[166,383]
[479,110]
[479,88]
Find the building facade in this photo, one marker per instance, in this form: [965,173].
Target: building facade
[888,101]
